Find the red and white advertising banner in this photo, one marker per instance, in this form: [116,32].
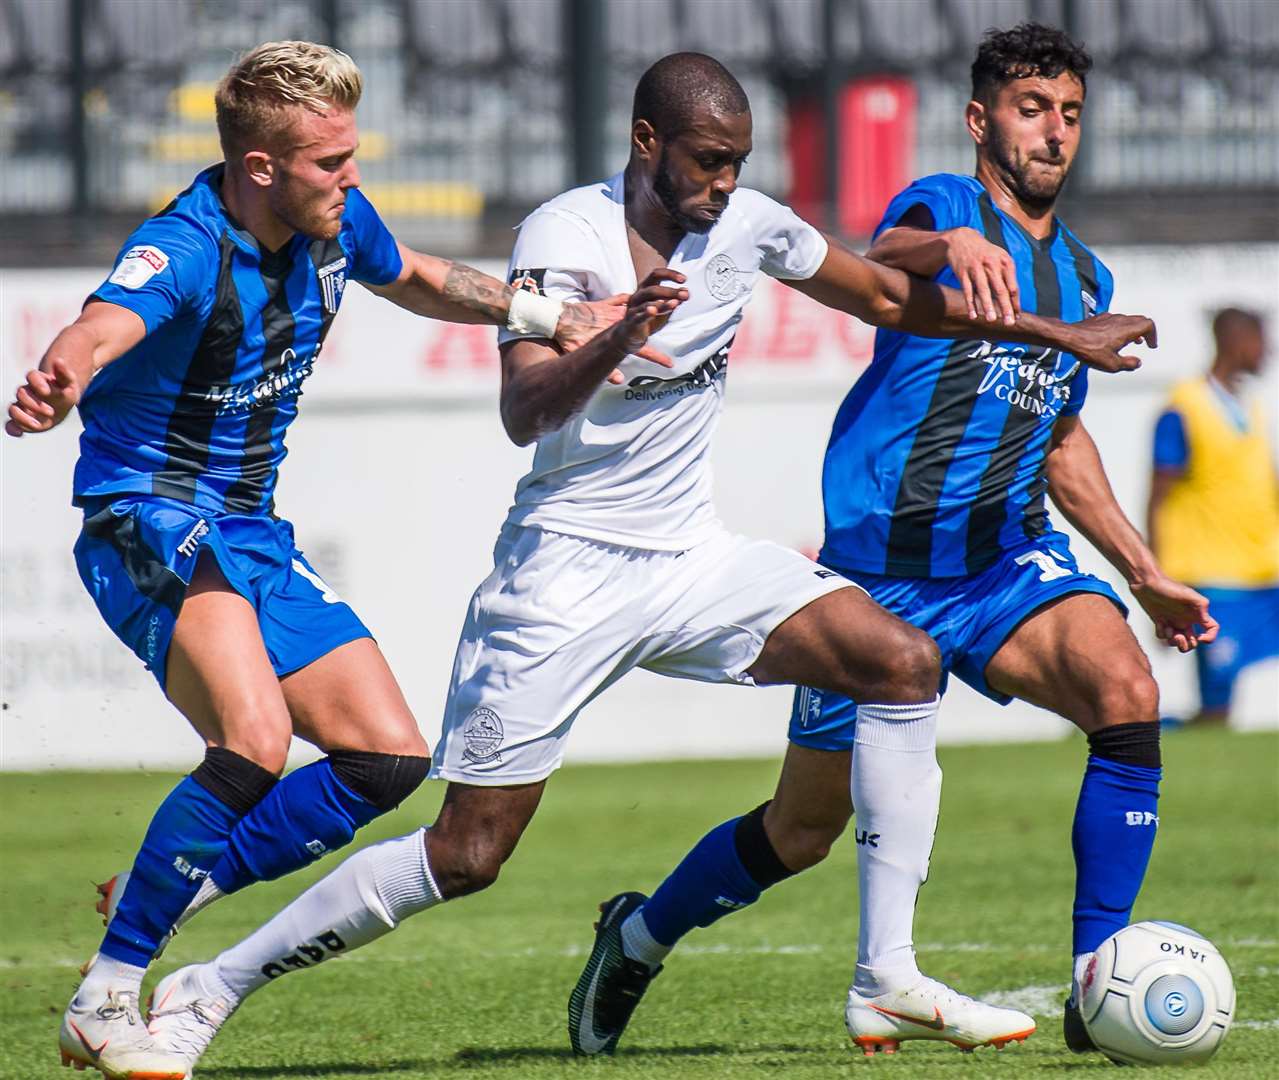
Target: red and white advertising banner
[399,476]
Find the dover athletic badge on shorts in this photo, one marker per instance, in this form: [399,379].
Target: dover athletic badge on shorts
[482,734]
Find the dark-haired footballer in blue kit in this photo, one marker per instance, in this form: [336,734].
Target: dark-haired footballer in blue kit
[187,366]
[934,478]
[934,484]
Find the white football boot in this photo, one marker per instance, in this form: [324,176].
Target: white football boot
[109,1036]
[185,1015]
[931,1010]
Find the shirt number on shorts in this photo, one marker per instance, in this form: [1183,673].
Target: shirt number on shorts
[326,594]
[1049,569]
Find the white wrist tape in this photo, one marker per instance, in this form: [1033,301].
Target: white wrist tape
[533,316]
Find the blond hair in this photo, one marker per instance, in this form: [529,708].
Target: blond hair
[255,99]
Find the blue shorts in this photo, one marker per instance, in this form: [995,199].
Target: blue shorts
[1249,620]
[136,556]
[968,617]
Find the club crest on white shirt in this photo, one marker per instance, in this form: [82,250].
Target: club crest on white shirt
[724,280]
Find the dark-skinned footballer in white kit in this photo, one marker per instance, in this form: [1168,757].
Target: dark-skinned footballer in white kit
[186,365]
[616,515]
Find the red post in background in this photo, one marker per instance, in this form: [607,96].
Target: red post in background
[877,151]
[877,127]
[807,159]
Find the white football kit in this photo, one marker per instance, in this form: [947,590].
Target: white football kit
[612,557]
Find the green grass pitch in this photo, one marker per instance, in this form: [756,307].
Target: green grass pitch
[478,988]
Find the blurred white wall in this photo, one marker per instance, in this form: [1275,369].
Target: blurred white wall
[399,476]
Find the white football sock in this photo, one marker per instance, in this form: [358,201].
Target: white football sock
[108,974]
[366,897]
[1077,975]
[207,893]
[638,942]
[896,788]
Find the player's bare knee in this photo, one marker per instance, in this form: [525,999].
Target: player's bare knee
[910,666]
[390,739]
[412,744]
[466,850]
[475,833]
[1128,696]
[921,663]
[263,746]
[904,667]
[802,833]
[474,873]
[394,731]
[801,844]
[463,868]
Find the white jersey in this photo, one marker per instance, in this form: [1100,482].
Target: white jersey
[633,466]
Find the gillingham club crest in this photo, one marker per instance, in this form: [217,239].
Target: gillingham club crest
[332,282]
[482,734]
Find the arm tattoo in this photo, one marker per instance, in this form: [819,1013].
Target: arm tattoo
[581,319]
[468,288]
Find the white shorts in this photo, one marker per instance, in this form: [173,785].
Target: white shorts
[561,618]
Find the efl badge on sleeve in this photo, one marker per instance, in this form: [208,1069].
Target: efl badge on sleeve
[139,265]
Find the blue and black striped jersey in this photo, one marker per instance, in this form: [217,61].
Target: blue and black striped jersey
[198,409]
[935,466]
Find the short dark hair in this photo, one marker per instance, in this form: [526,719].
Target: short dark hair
[1233,318]
[671,91]
[1026,50]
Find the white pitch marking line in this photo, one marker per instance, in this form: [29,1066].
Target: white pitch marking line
[17,963]
[981,947]
[1037,1000]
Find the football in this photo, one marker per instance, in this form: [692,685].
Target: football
[1157,993]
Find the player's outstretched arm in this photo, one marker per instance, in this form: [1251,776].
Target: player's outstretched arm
[891,298]
[542,387]
[1079,489]
[102,333]
[986,273]
[454,292]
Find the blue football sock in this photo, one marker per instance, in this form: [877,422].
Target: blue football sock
[1114,832]
[315,810]
[308,813]
[185,839]
[726,871]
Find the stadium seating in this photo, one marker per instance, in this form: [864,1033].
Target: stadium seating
[469,93]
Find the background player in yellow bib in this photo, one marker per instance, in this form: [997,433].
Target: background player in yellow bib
[1214,506]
